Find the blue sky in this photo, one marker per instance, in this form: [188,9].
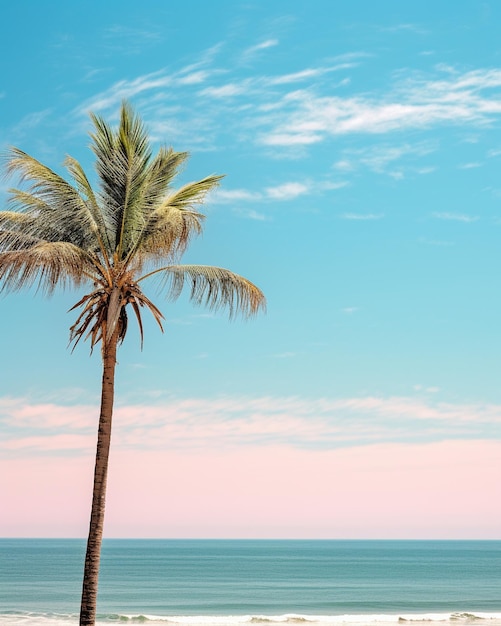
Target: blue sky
[361,146]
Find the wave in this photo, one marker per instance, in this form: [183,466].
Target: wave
[430,619]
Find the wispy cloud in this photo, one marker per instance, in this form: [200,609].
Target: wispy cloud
[456,217]
[307,74]
[281,192]
[349,310]
[362,216]
[252,51]
[235,195]
[294,110]
[407,28]
[226,91]
[251,214]
[414,103]
[244,421]
[382,158]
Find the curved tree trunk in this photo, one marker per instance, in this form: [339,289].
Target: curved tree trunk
[93,555]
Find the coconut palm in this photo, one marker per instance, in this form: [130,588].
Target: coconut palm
[134,227]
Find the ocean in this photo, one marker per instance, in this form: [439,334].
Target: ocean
[267,582]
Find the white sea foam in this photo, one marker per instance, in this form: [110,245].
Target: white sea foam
[430,619]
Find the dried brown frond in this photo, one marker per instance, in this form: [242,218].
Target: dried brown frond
[46,264]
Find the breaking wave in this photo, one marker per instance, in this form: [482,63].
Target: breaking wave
[440,619]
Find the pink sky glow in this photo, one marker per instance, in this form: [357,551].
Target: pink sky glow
[447,489]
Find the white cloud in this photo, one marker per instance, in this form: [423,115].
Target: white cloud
[286,191]
[362,216]
[344,165]
[281,192]
[456,217]
[263,109]
[194,78]
[470,166]
[235,195]
[287,139]
[333,186]
[225,91]
[246,421]
[253,215]
[414,103]
[264,45]
[383,159]
[307,74]
[412,28]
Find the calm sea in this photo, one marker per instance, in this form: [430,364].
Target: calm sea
[229,583]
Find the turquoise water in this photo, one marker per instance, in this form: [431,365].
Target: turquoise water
[199,582]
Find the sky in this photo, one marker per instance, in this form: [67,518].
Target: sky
[361,147]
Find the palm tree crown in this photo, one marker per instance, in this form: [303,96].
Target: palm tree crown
[135,226]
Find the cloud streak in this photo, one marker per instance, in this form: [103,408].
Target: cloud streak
[314,111]
[414,103]
[229,422]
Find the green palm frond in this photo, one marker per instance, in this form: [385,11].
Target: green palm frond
[171,225]
[161,170]
[99,220]
[61,211]
[122,160]
[193,193]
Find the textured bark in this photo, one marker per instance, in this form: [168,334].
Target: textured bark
[93,555]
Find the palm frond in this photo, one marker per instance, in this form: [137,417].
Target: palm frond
[161,170]
[62,212]
[170,227]
[106,308]
[192,194]
[166,234]
[122,160]
[99,219]
[214,287]
[46,264]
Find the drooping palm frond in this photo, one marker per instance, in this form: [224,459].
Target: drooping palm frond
[106,307]
[214,287]
[47,264]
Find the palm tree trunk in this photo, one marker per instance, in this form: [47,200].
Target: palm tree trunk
[93,555]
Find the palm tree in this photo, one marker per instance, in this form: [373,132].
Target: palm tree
[134,227]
